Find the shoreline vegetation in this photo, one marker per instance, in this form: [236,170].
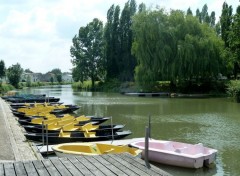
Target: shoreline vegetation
[221,88]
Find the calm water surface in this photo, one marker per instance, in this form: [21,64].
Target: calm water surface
[215,122]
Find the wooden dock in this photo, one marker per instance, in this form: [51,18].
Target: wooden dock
[99,165]
[159,94]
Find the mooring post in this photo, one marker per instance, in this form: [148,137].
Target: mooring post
[149,125]
[43,132]
[47,138]
[146,148]
[112,130]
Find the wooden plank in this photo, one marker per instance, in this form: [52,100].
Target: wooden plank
[128,165]
[70,166]
[19,168]
[30,169]
[153,168]
[1,169]
[60,167]
[50,168]
[110,165]
[118,165]
[80,166]
[141,166]
[9,169]
[40,168]
[92,168]
[99,165]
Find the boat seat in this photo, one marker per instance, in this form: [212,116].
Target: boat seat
[88,134]
[70,127]
[64,134]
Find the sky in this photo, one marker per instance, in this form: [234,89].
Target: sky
[38,34]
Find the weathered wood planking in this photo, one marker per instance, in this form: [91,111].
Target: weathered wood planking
[114,164]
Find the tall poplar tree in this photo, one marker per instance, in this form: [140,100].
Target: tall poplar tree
[226,21]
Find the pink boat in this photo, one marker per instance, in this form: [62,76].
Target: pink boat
[177,153]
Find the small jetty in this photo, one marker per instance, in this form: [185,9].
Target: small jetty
[20,157]
[158,94]
[169,95]
[99,165]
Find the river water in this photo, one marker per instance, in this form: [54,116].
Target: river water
[215,122]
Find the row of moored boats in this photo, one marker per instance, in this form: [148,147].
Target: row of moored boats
[81,135]
[49,122]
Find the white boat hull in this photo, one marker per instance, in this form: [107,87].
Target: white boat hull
[178,154]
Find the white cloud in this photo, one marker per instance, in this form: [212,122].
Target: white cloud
[38,33]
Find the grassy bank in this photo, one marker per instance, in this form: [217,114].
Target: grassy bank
[5,88]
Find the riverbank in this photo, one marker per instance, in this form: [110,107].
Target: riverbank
[13,144]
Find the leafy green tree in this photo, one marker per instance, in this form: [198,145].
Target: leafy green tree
[204,14]
[88,51]
[2,69]
[226,21]
[127,61]
[109,33]
[189,11]
[119,37]
[212,19]
[28,70]
[142,7]
[14,73]
[29,82]
[174,47]
[58,74]
[198,15]
[51,79]
[234,42]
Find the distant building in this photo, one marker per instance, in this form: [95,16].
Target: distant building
[67,77]
[39,77]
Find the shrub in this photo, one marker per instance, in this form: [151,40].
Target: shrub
[233,89]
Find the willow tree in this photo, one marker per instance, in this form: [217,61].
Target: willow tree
[153,45]
[174,47]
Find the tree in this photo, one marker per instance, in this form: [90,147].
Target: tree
[2,69]
[28,70]
[212,19]
[226,21]
[110,57]
[14,73]
[142,8]
[189,11]
[58,74]
[127,61]
[198,15]
[174,47]
[234,41]
[204,14]
[88,51]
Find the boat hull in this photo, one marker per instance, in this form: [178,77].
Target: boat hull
[53,138]
[177,154]
[38,128]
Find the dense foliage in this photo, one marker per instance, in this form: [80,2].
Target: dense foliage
[151,46]
[233,89]
[14,73]
[174,47]
[58,74]
[2,69]
[87,52]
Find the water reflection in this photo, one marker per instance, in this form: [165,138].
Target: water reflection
[213,122]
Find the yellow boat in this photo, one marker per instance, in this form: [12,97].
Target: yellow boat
[76,149]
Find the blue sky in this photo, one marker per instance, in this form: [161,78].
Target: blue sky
[38,33]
